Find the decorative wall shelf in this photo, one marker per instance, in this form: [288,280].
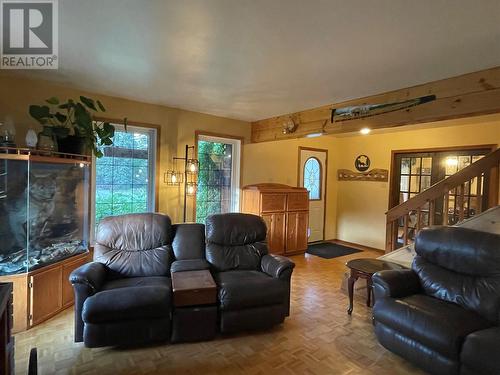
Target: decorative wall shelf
[42,155]
[373,175]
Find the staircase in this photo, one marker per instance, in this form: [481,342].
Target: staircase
[479,182]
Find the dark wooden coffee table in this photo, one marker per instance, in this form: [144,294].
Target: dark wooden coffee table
[365,268]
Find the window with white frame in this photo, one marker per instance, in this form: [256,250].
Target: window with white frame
[218,176]
[124,178]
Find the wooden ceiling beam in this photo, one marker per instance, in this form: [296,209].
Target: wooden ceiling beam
[467,95]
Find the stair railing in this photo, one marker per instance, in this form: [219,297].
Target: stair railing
[420,211]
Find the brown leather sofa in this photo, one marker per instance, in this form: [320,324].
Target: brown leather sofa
[124,297]
[443,314]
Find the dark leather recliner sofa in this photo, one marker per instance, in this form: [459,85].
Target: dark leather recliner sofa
[443,314]
[253,286]
[124,297]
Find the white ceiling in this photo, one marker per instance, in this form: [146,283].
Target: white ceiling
[253,59]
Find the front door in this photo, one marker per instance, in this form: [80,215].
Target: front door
[312,176]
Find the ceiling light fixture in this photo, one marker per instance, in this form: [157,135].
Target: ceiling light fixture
[314,135]
[365,131]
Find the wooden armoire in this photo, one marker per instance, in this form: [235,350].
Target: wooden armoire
[285,209]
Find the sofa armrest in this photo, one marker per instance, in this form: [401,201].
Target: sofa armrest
[91,275]
[189,265]
[87,280]
[277,266]
[481,351]
[395,283]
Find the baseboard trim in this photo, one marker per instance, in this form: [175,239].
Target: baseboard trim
[356,245]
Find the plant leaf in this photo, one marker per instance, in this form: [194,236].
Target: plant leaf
[101,107]
[39,112]
[60,117]
[53,101]
[88,102]
[108,128]
[82,117]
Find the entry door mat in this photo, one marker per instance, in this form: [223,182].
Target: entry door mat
[330,250]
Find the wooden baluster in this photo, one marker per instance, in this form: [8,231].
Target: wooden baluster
[388,236]
[446,207]
[460,203]
[391,236]
[405,230]
[493,186]
[419,224]
[395,228]
[432,211]
[479,193]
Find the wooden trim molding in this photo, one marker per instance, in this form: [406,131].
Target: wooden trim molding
[468,95]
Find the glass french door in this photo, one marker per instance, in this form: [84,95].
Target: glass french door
[218,176]
[417,171]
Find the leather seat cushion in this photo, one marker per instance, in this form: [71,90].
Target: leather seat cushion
[136,302]
[137,281]
[439,325]
[245,289]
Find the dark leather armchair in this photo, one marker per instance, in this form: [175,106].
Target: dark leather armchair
[253,286]
[124,297]
[443,314]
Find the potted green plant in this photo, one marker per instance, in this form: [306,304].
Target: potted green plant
[74,125]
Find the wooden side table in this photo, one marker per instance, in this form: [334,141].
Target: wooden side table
[364,268]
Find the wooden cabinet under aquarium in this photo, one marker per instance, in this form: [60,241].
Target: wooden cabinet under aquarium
[44,210]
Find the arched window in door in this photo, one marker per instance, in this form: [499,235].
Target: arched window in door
[312,178]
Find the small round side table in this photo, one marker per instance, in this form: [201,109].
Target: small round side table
[364,268]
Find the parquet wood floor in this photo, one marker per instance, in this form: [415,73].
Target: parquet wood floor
[318,338]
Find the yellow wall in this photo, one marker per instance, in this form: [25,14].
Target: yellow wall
[356,209]
[177,126]
[278,162]
[361,204]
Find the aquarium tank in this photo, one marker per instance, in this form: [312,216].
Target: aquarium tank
[43,210]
